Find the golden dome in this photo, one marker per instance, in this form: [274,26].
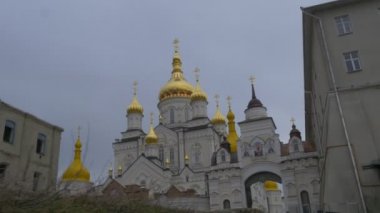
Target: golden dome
[218,117]
[177,86]
[151,137]
[135,106]
[270,185]
[198,93]
[76,171]
[232,135]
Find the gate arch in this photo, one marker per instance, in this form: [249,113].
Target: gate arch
[258,177]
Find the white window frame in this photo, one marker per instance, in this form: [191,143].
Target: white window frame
[343,25]
[352,61]
[43,138]
[12,126]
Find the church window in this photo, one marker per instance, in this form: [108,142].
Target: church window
[226,204]
[258,149]
[143,183]
[305,202]
[187,178]
[223,156]
[9,131]
[36,178]
[3,168]
[172,155]
[352,61]
[295,146]
[343,24]
[41,144]
[171,116]
[161,153]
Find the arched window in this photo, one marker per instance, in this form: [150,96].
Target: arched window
[305,202]
[295,146]
[258,149]
[171,116]
[196,152]
[161,153]
[9,131]
[226,204]
[172,155]
[143,184]
[3,168]
[223,156]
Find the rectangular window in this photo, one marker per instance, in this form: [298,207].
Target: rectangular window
[343,24]
[3,168]
[352,61]
[41,144]
[9,131]
[36,178]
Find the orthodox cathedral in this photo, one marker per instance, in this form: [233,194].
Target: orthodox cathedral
[194,155]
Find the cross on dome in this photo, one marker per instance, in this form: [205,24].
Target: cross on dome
[293,121]
[176,45]
[134,88]
[197,71]
[217,100]
[229,101]
[252,78]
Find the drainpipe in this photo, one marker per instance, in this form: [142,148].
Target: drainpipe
[353,161]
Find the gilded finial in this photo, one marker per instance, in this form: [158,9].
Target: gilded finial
[151,137]
[252,78]
[176,45]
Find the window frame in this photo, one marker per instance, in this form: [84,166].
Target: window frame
[11,137]
[41,149]
[305,201]
[352,61]
[343,25]
[3,169]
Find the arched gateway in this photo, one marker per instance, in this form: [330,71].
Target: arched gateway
[258,177]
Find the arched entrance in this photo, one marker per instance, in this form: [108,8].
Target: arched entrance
[258,177]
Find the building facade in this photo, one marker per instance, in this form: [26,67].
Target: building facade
[29,151]
[342,81]
[191,152]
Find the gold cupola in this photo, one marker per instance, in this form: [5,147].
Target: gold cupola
[151,137]
[198,93]
[232,136]
[218,116]
[270,185]
[77,171]
[177,86]
[135,106]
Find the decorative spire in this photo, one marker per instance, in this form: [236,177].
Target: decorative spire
[218,117]
[294,131]
[198,93]
[151,137]
[232,136]
[254,102]
[76,171]
[177,86]
[135,106]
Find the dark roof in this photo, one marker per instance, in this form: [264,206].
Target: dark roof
[332,5]
[254,102]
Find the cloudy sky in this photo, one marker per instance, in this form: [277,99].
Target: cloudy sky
[73,62]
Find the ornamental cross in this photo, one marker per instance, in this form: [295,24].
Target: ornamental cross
[217,100]
[134,88]
[151,118]
[292,120]
[79,131]
[176,45]
[229,101]
[197,71]
[252,78]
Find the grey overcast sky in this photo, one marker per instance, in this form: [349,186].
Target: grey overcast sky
[73,62]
